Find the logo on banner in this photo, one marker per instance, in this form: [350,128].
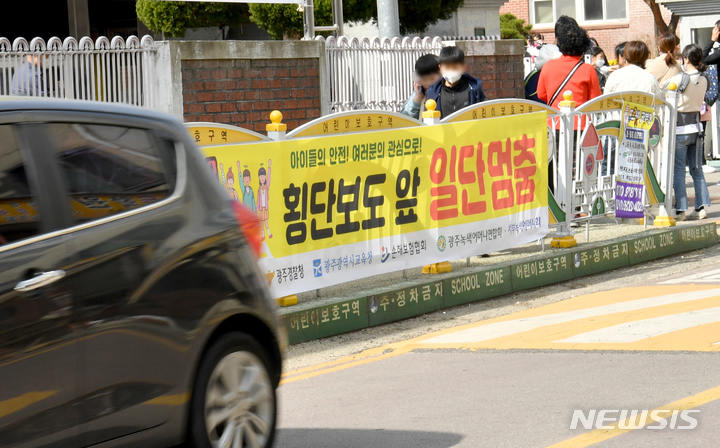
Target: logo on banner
[385,254]
[441,243]
[317,267]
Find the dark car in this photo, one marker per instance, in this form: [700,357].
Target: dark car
[132,311]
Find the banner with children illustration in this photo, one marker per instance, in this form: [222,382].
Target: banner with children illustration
[345,207]
[632,152]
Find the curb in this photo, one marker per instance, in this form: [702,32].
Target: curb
[329,317]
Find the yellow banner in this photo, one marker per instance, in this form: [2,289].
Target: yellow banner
[422,189]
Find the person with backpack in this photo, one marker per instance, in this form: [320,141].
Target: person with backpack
[691,88]
[547,53]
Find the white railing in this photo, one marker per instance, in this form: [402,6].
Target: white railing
[374,74]
[114,71]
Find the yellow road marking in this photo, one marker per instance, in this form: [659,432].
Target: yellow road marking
[600,435]
[701,338]
[12,405]
[392,354]
[364,354]
[546,337]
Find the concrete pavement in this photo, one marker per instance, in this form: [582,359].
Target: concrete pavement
[514,380]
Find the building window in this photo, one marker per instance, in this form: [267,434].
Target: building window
[701,36]
[547,11]
[479,32]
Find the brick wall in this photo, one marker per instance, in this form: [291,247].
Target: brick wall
[502,76]
[520,8]
[640,25]
[243,92]
[240,82]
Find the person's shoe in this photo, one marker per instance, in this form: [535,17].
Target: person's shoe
[707,169]
[697,214]
[680,217]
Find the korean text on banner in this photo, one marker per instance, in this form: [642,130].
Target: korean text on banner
[635,126]
[346,207]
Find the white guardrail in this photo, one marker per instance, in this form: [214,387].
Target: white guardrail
[115,71]
[374,73]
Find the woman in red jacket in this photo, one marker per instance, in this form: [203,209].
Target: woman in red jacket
[569,72]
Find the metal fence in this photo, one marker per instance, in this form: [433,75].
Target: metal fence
[115,71]
[374,73]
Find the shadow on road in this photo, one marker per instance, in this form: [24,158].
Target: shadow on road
[363,438]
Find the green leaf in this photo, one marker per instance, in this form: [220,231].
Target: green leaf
[513,28]
[174,18]
[282,21]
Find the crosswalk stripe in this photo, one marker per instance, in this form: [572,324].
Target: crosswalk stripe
[702,277]
[647,328]
[506,328]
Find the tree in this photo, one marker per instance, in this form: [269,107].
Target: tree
[286,21]
[174,18]
[660,24]
[416,16]
[513,28]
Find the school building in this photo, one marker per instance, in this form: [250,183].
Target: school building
[610,22]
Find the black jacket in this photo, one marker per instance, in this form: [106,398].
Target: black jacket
[476,93]
[711,59]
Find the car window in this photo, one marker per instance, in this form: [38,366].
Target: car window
[19,216]
[111,169]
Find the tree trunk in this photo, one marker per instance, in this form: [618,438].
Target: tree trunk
[660,24]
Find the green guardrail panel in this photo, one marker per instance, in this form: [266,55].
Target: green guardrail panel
[651,247]
[543,271]
[697,237]
[477,286]
[403,303]
[327,320]
[601,258]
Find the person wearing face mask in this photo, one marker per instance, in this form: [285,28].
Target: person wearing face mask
[456,90]
[427,73]
[599,61]
[665,66]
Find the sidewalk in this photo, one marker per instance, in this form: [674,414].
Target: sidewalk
[399,295]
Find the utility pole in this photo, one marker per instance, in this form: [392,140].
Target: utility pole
[309,20]
[338,17]
[388,18]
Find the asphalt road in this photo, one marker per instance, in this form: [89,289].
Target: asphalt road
[515,380]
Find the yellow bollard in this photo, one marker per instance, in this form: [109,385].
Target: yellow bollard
[287,300]
[567,96]
[276,129]
[437,268]
[431,116]
[664,221]
[563,241]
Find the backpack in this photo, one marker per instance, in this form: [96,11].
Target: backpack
[713,93]
[685,81]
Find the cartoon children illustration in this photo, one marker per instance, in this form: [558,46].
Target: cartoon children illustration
[263,198]
[229,182]
[248,194]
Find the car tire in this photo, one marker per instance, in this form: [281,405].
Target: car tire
[233,396]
